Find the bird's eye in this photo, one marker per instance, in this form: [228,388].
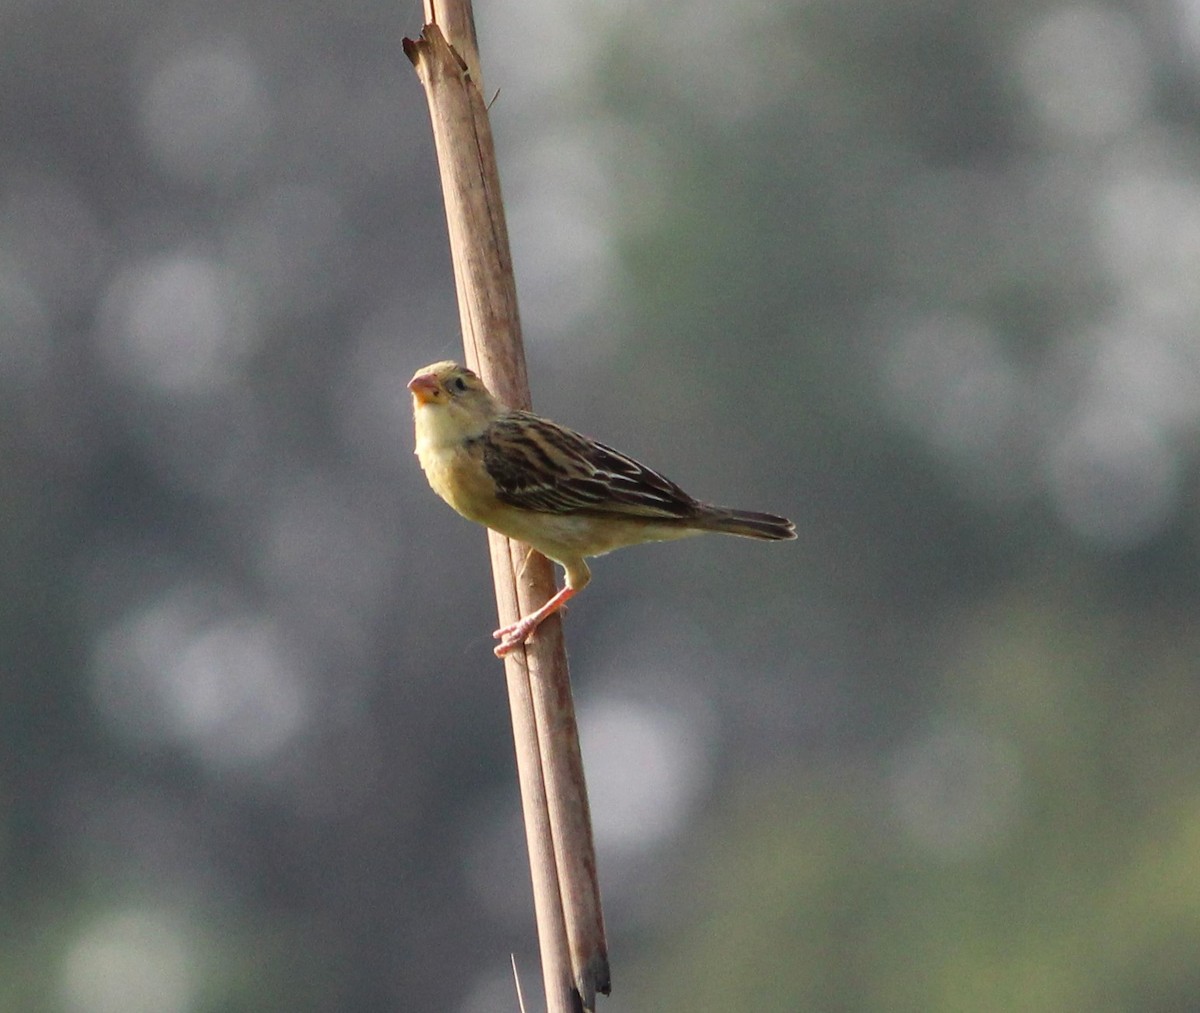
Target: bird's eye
[460,383]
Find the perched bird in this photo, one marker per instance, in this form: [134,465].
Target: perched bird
[559,492]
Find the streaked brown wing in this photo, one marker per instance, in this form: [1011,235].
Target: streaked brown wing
[538,465]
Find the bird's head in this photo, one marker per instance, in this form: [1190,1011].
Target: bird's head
[444,382]
[454,394]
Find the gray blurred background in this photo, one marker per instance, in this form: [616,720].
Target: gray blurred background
[924,276]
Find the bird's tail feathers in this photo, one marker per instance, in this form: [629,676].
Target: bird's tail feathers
[748,523]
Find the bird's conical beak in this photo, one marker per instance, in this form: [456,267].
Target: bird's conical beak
[424,387]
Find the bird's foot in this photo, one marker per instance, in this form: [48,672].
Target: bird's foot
[512,637]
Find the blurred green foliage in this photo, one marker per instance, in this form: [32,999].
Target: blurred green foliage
[800,894]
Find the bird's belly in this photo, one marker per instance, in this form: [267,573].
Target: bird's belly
[562,536]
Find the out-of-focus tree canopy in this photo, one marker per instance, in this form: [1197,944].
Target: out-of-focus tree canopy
[923,276]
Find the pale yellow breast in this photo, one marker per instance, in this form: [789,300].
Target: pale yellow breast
[458,476]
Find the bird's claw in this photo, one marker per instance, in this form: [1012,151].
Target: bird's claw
[512,637]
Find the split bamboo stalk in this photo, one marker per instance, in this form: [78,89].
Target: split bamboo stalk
[558,827]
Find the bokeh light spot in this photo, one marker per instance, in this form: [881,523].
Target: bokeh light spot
[1113,478]
[956,790]
[179,323]
[204,114]
[130,962]
[645,766]
[1086,71]
[1148,232]
[562,240]
[185,670]
[948,377]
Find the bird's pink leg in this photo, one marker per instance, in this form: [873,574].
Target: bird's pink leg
[520,631]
